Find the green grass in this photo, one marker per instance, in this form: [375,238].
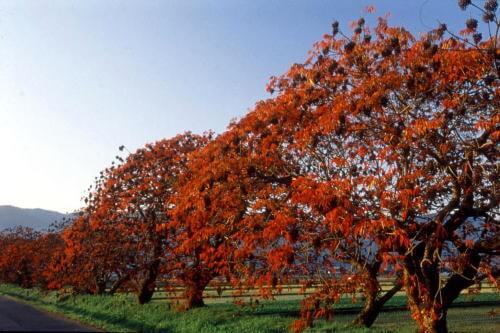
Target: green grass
[122,313]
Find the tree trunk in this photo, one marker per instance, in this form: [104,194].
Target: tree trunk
[373,305]
[432,324]
[427,298]
[427,310]
[429,318]
[369,312]
[146,292]
[373,301]
[100,287]
[194,297]
[148,285]
[194,291]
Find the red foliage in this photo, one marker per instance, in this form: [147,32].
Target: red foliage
[26,256]
[379,154]
[395,141]
[124,236]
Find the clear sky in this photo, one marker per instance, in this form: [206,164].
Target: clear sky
[80,78]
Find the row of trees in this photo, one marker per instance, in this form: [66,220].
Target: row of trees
[378,155]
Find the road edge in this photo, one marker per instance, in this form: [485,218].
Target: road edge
[58,315]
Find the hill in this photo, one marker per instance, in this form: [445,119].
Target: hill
[37,218]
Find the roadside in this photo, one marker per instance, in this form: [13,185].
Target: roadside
[16,315]
[121,313]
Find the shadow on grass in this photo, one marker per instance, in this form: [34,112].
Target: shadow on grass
[356,310]
[127,324]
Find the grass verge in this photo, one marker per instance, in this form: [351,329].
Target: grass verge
[121,313]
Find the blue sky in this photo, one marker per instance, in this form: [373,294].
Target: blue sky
[80,78]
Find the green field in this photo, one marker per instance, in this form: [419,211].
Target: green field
[122,313]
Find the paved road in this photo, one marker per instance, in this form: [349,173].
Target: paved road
[16,316]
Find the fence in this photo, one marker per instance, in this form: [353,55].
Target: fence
[219,293]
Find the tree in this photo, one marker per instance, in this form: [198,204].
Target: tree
[210,204]
[224,207]
[143,189]
[17,263]
[412,124]
[300,226]
[46,248]
[89,260]
[125,230]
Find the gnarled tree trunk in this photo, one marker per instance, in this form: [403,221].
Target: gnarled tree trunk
[427,298]
[373,305]
[194,296]
[148,285]
[429,315]
[195,286]
[373,300]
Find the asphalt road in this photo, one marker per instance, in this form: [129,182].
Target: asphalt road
[16,316]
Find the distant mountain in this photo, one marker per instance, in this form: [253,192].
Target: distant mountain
[37,218]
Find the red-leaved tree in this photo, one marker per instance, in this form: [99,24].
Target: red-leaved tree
[400,135]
